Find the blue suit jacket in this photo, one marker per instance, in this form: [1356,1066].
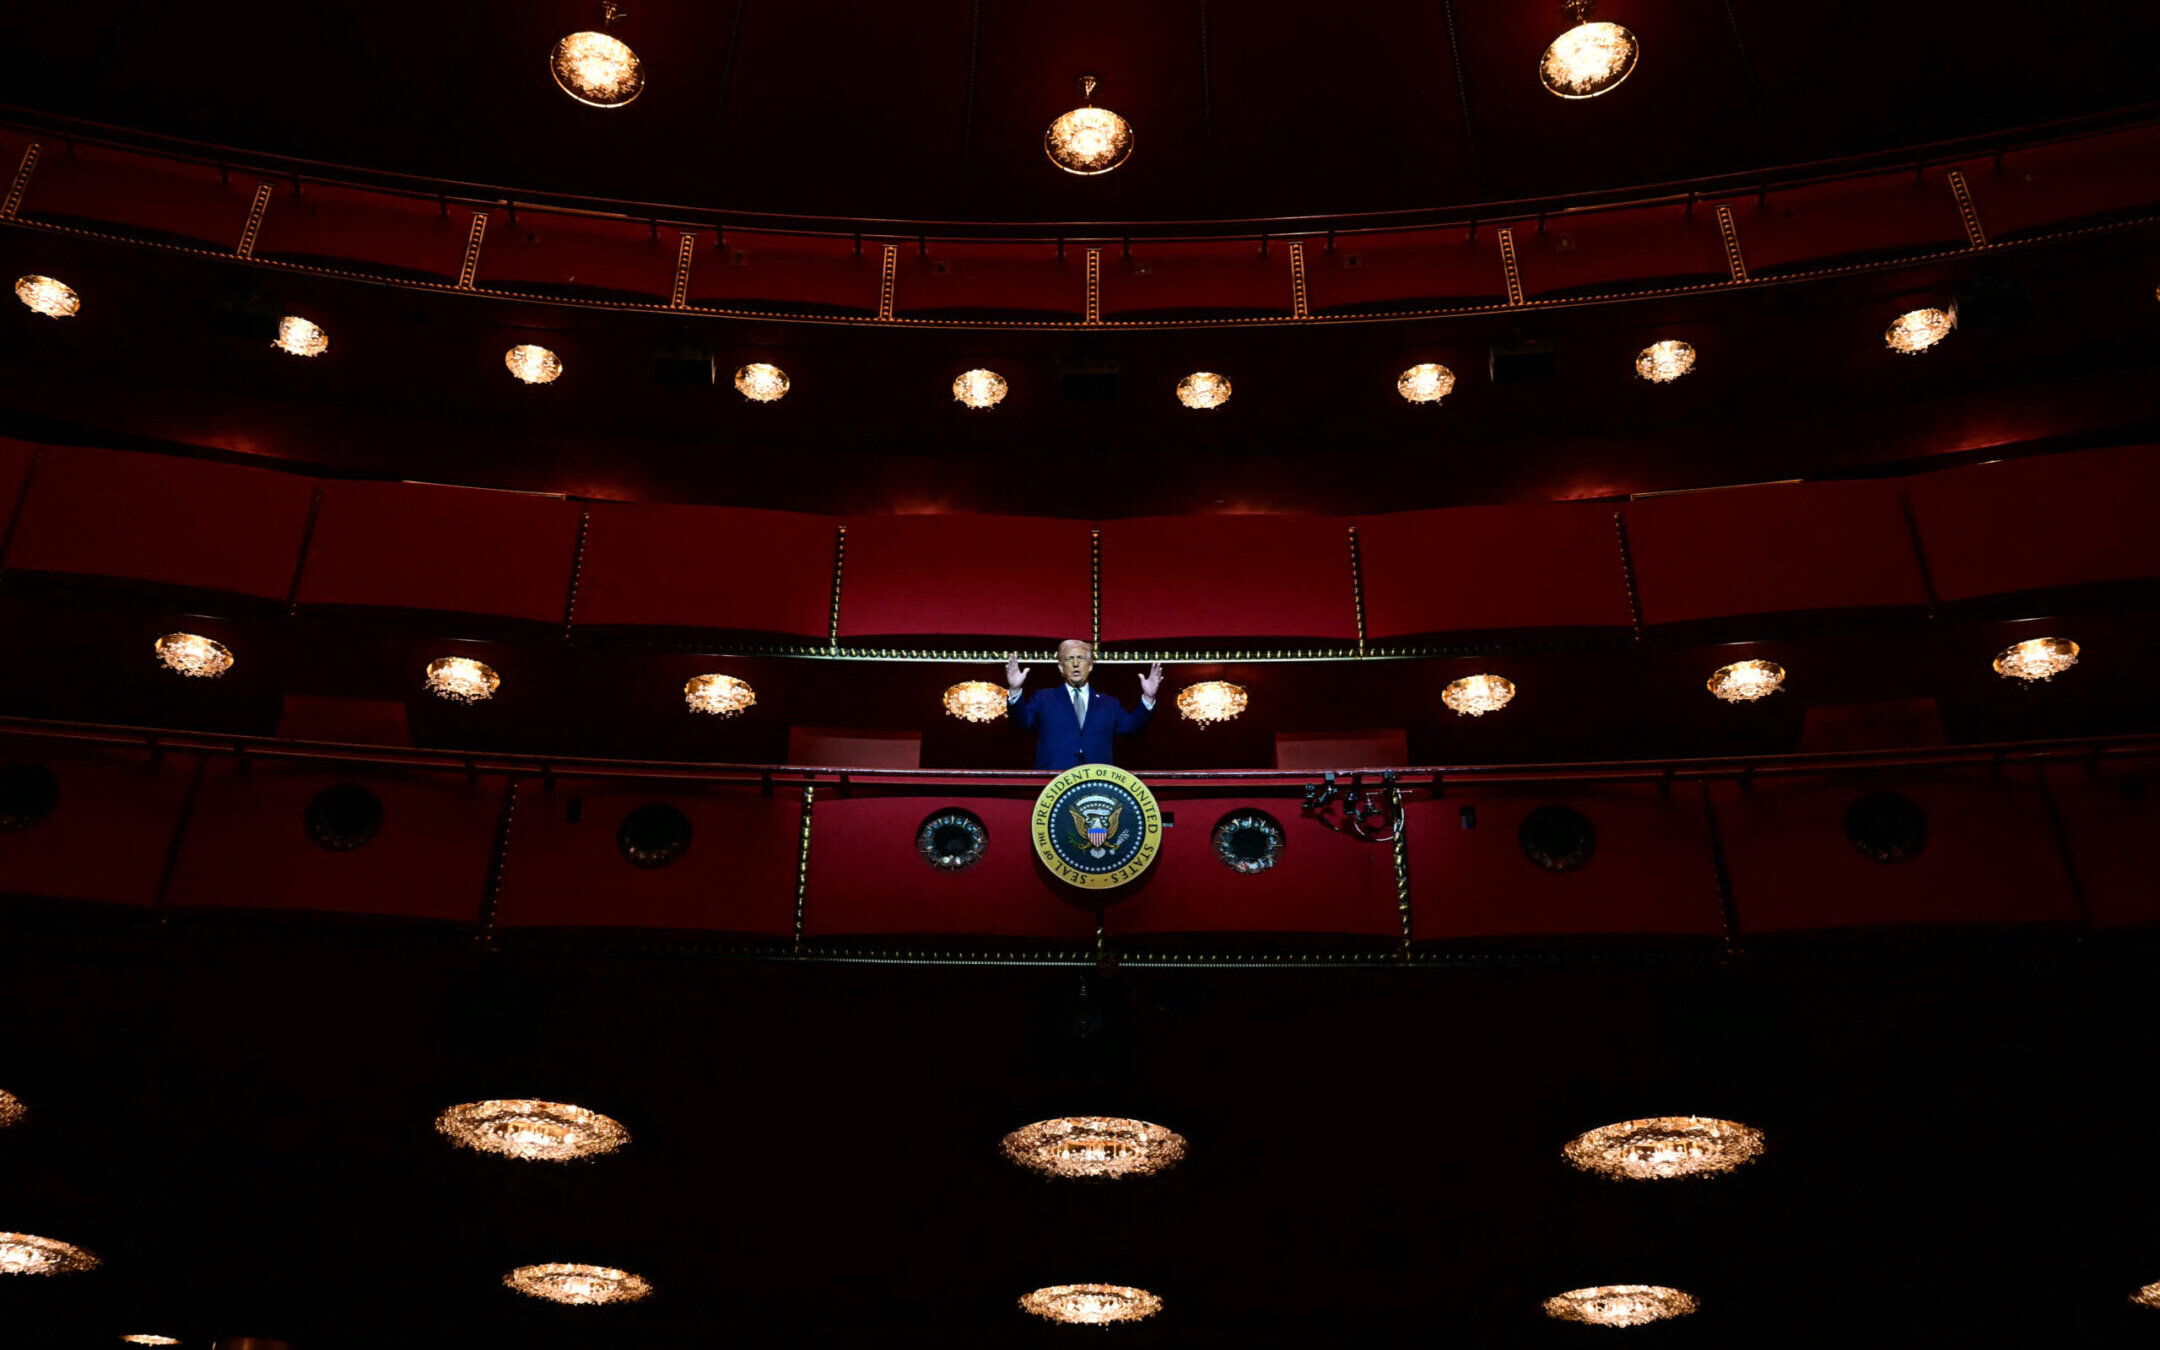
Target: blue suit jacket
[1060,740]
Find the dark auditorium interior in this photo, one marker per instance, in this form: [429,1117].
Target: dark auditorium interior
[513,828]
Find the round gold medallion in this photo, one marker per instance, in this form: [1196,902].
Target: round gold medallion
[1096,826]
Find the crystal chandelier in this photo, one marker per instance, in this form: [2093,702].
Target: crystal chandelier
[1203,389]
[1916,330]
[2036,659]
[720,695]
[1477,695]
[2149,1296]
[1211,701]
[300,337]
[50,298]
[979,388]
[582,1285]
[11,1109]
[1094,1146]
[1663,1147]
[192,654]
[1091,1304]
[596,68]
[976,701]
[533,365]
[148,1338]
[1588,59]
[1620,1305]
[534,1130]
[1425,383]
[462,679]
[761,383]
[22,1254]
[1666,361]
[1746,681]
[1088,140]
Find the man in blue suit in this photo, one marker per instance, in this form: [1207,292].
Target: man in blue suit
[1072,723]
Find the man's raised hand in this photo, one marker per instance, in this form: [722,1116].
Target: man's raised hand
[1152,681]
[1014,675]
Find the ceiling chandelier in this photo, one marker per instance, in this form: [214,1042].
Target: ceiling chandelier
[534,1130]
[1094,1146]
[1916,330]
[1203,389]
[1211,701]
[597,68]
[1662,1147]
[1091,1304]
[462,679]
[979,388]
[1746,681]
[11,1109]
[1666,361]
[976,701]
[2149,1296]
[193,654]
[50,298]
[1620,1305]
[1590,58]
[761,383]
[2040,658]
[1425,383]
[149,1338]
[581,1285]
[1477,695]
[1088,140]
[22,1254]
[720,695]
[300,337]
[533,365]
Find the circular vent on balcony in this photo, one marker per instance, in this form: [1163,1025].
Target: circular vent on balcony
[1248,841]
[342,818]
[952,839]
[653,835]
[28,794]
[1557,839]
[1887,827]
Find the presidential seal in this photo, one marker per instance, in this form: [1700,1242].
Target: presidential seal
[1096,827]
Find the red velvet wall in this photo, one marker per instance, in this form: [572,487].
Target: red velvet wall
[1650,871]
[737,876]
[325,223]
[247,844]
[2111,816]
[1002,576]
[164,519]
[1825,224]
[786,271]
[98,185]
[549,248]
[1385,270]
[1617,249]
[1322,883]
[460,550]
[986,278]
[107,838]
[1492,567]
[2031,524]
[866,877]
[1219,276]
[15,460]
[2042,187]
[707,567]
[1226,576]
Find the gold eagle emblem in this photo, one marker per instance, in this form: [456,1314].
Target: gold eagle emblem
[1080,826]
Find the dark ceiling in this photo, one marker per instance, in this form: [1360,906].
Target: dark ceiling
[937,110]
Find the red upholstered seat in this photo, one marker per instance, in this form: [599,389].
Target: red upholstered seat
[417,546]
[1485,568]
[708,567]
[855,748]
[992,576]
[1226,576]
[1341,749]
[2040,522]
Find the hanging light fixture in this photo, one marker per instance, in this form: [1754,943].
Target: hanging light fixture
[761,383]
[1477,695]
[597,68]
[1746,681]
[1203,389]
[534,1130]
[1211,701]
[48,297]
[1916,330]
[462,679]
[193,654]
[11,1109]
[1620,1305]
[149,1338]
[1662,1147]
[1666,361]
[2040,658]
[976,701]
[300,337]
[1425,383]
[533,364]
[1589,58]
[2149,1296]
[979,388]
[720,695]
[1091,1304]
[1094,1146]
[558,1282]
[1088,140]
[22,1254]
